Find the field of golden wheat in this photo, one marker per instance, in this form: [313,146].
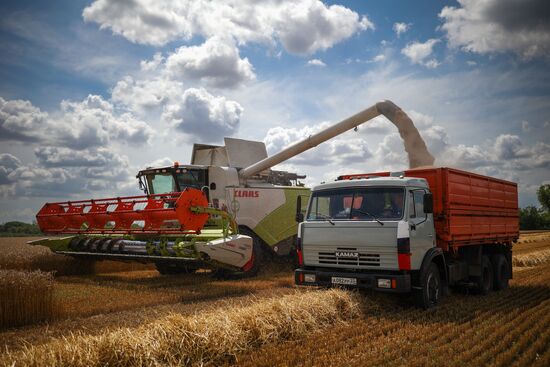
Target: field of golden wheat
[142,318]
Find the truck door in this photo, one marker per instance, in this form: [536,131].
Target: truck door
[421,227]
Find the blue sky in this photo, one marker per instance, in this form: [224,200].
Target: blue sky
[92,91]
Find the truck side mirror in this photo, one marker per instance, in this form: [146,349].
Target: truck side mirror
[428,203]
[299,214]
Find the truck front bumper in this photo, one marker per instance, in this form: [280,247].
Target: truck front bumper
[393,283]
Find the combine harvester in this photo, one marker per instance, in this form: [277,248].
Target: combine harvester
[226,210]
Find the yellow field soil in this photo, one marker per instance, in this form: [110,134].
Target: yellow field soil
[505,328]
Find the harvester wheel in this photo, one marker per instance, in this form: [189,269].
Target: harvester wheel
[252,267]
[174,268]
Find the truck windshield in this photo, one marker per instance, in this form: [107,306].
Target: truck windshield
[366,204]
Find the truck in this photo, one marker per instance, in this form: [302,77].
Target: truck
[419,232]
[241,198]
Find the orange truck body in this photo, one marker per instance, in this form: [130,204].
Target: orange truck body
[469,208]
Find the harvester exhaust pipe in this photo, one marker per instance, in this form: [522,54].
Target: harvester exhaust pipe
[414,144]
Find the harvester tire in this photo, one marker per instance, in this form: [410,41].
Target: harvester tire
[251,269]
[257,253]
[171,268]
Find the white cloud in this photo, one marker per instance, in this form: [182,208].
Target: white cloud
[305,27]
[521,27]
[343,149]
[161,162]
[153,64]
[302,27]
[216,62]
[20,120]
[8,164]
[432,64]
[143,95]
[200,114]
[379,58]
[92,122]
[63,172]
[65,157]
[400,28]
[418,52]
[316,62]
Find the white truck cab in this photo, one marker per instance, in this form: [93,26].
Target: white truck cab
[366,233]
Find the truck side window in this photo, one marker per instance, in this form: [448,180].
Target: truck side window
[419,203]
[412,213]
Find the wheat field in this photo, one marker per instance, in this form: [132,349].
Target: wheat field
[142,318]
[25,297]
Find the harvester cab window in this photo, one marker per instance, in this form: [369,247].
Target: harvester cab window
[162,183]
[192,178]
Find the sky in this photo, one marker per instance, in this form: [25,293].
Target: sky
[93,91]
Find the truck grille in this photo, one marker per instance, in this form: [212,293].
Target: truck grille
[363,259]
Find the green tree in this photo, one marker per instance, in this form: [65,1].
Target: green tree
[543,194]
[531,218]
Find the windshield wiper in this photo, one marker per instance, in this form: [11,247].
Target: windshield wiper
[325,217]
[369,214]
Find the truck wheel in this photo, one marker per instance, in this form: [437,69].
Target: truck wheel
[171,268]
[431,292]
[485,281]
[500,272]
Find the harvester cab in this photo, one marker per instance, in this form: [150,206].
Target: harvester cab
[174,178]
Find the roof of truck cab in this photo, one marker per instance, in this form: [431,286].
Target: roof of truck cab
[374,181]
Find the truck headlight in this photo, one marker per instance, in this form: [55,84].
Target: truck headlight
[384,283]
[309,278]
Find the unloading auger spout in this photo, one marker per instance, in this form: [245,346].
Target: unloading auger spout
[414,144]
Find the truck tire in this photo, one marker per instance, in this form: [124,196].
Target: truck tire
[432,288]
[500,272]
[167,268]
[484,283]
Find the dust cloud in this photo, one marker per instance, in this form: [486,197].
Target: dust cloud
[416,149]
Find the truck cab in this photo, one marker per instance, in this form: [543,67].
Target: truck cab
[367,233]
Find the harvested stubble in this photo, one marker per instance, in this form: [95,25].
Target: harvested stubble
[25,297]
[531,259]
[212,337]
[16,254]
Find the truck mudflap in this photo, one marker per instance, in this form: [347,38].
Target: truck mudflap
[391,282]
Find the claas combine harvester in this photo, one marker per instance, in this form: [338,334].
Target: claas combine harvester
[226,210]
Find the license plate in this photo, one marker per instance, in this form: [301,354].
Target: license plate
[344,281]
